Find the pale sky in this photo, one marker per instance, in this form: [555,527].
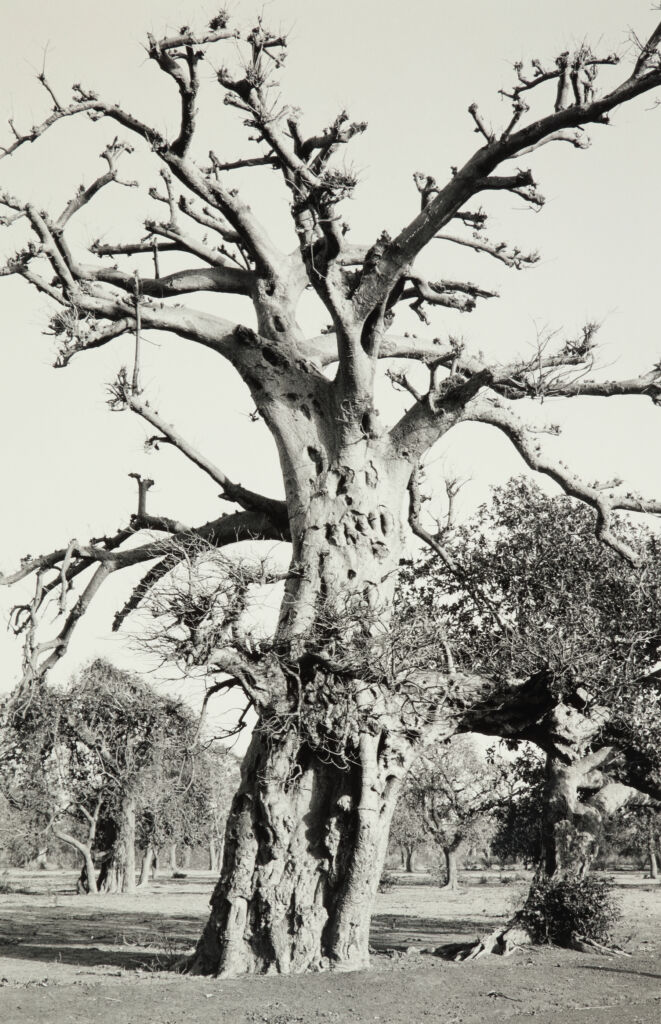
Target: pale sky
[410,70]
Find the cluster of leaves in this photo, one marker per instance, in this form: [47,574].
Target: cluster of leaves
[533,587]
[559,910]
[518,832]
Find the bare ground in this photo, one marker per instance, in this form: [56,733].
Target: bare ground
[65,958]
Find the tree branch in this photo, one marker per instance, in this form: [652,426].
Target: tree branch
[604,501]
[477,175]
[247,499]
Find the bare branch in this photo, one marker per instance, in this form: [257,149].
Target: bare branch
[111,154]
[605,501]
[477,174]
[511,257]
[247,499]
[460,295]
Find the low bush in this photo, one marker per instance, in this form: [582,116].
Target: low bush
[387,881]
[559,910]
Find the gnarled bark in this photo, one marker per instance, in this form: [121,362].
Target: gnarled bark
[308,831]
[569,826]
[305,844]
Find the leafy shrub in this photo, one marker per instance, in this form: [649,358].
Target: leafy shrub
[387,882]
[557,910]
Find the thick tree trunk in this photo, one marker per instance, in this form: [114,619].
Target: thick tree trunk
[304,848]
[147,867]
[307,834]
[568,831]
[118,871]
[214,855]
[451,874]
[410,853]
[174,865]
[651,850]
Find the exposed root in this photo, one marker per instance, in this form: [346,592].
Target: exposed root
[584,945]
[498,943]
[507,942]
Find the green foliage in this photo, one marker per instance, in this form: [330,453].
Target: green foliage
[518,833]
[76,754]
[535,588]
[558,910]
[387,882]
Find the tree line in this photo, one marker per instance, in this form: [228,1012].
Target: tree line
[104,767]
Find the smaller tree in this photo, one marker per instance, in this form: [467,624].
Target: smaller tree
[456,792]
[526,589]
[80,756]
[407,830]
[636,830]
[185,797]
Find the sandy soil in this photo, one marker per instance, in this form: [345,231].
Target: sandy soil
[65,958]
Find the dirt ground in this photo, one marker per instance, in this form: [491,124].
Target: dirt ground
[66,958]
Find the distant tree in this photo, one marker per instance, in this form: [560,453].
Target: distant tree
[407,830]
[184,798]
[456,792]
[221,779]
[524,589]
[636,830]
[80,754]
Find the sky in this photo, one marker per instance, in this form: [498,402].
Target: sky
[410,70]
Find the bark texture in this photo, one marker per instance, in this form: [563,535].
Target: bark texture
[304,848]
[308,829]
[147,867]
[570,826]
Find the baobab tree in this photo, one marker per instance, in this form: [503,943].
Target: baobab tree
[341,713]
